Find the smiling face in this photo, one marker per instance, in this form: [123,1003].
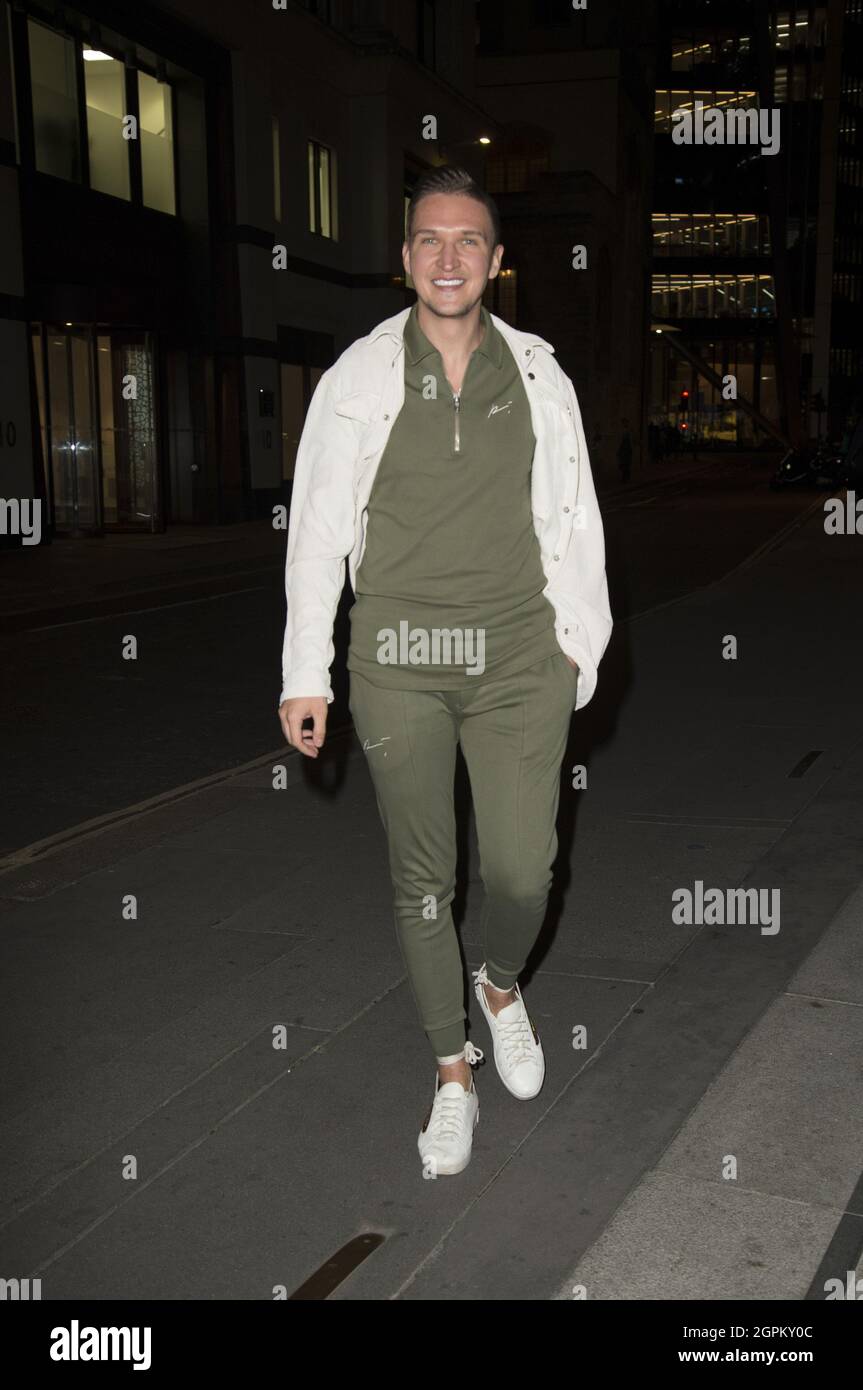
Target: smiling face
[450,257]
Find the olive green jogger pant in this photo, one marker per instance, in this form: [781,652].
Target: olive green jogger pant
[513,733]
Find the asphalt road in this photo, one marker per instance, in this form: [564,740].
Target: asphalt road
[89,733]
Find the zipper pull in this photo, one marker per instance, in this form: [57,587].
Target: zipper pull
[457,439]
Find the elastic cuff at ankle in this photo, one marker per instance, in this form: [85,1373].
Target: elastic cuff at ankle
[456,1057]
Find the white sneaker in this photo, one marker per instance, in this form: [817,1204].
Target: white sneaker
[446,1138]
[518,1053]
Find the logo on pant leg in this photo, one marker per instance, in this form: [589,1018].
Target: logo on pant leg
[367,745]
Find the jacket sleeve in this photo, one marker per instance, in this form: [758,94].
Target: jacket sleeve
[320,536]
[581,589]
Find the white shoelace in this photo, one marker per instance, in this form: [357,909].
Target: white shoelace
[516,1034]
[517,1038]
[447,1117]
[448,1112]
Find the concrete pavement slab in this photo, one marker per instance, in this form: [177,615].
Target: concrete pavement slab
[228,1203]
[676,1238]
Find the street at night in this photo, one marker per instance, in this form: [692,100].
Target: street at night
[351,349]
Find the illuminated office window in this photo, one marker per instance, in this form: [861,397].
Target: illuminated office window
[155,101]
[409,284]
[55,102]
[323,201]
[105,96]
[504,295]
[710,234]
[684,99]
[713,296]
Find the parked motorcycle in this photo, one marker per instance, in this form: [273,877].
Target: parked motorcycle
[818,466]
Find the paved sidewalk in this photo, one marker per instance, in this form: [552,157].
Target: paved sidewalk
[78,576]
[264,914]
[90,575]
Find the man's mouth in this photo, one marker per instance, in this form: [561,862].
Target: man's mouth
[448,284]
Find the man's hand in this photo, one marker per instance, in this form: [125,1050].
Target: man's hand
[291,716]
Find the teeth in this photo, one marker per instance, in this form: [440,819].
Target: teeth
[448,282]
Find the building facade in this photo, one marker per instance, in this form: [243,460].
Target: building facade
[203,206]
[757,256]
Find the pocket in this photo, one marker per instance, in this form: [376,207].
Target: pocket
[571,671]
[360,405]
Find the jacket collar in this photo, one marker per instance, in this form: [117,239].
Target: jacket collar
[417,345]
[394,328]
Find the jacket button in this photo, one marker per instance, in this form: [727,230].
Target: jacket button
[566,509]
[386,417]
[530,374]
[557,557]
[571,457]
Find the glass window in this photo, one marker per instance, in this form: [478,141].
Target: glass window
[766,296]
[747,302]
[293,414]
[155,102]
[765,235]
[105,93]
[106,425]
[798,84]
[702,238]
[681,296]
[724,298]
[701,297]
[783,31]
[681,54]
[659,297]
[323,183]
[39,373]
[507,295]
[55,102]
[780,83]
[661,226]
[324,190]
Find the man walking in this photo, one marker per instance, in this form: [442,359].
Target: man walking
[444,455]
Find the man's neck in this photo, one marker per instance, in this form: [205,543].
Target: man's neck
[455,339]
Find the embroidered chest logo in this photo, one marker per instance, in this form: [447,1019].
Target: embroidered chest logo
[498,409]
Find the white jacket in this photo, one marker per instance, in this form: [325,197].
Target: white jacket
[347,427]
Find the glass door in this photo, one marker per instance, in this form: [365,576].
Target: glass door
[127,421]
[72,441]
